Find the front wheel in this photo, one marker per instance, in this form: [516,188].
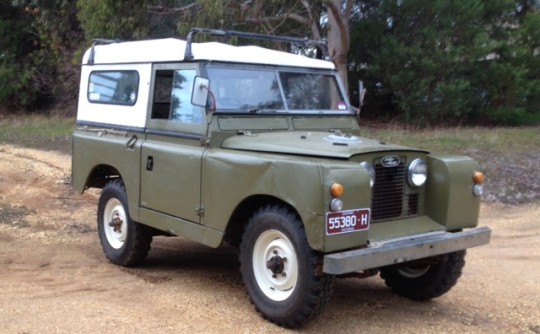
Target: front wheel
[282,274]
[124,242]
[427,278]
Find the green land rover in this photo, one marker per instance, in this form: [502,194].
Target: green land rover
[261,149]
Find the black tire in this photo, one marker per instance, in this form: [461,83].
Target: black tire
[124,242]
[282,274]
[425,279]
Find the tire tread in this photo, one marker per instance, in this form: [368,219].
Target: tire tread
[136,250]
[320,285]
[435,283]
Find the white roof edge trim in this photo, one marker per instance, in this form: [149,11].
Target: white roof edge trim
[173,49]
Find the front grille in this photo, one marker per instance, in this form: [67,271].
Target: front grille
[412,207]
[390,199]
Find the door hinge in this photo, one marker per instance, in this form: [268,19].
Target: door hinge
[200,211]
[205,142]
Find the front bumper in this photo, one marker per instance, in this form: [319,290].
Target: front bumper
[406,249]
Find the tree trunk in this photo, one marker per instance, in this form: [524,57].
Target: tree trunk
[338,36]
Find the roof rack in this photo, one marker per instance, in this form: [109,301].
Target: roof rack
[100,41]
[188,55]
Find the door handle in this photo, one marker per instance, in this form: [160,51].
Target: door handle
[131,142]
[150,163]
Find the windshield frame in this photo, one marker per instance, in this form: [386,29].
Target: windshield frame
[277,72]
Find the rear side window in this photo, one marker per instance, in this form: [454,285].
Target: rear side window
[113,87]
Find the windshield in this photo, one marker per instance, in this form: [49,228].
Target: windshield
[270,91]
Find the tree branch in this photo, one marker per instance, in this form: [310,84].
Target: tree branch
[162,10]
[294,17]
[341,22]
[313,24]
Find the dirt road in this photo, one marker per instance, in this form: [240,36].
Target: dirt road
[55,279]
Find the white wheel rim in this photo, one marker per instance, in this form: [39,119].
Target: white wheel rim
[115,223]
[271,244]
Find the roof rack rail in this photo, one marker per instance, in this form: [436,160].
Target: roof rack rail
[188,55]
[100,41]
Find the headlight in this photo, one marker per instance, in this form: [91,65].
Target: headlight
[371,172]
[417,174]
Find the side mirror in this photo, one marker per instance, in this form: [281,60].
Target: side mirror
[201,88]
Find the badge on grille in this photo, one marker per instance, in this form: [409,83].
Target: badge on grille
[390,161]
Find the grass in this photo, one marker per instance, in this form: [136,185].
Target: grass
[37,131]
[510,156]
[516,140]
[54,133]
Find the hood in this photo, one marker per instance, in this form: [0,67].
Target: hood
[322,144]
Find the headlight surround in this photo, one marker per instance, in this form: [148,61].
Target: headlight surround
[371,172]
[417,173]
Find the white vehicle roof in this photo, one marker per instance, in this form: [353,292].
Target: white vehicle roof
[172,50]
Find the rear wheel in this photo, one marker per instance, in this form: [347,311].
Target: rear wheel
[427,278]
[124,241]
[282,274]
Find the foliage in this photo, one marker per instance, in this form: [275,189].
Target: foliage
[314,19]
[283,17]
[16,42]
[113,19]
[441,61]
[424,62]
[42,37]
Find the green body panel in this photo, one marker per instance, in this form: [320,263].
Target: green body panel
[200,171]
[94,148]
[172,185]
[229,177]
[449,191]
[181,227]
[356,195]
[403,227]
[314,123]
[314,143]
[253,124]
[193,190]
[269,122]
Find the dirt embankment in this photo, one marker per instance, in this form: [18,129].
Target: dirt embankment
[54,278]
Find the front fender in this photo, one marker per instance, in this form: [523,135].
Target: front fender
[303,184]
[449,191]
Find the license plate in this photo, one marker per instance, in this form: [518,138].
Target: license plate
[347,221]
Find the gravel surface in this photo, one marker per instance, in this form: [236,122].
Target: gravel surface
[511,179]
[54,277]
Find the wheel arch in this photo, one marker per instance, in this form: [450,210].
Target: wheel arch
[100,175]
[245,209]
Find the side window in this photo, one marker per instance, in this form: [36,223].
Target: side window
[113,87]
[172,97]
[182,109]
[161,107]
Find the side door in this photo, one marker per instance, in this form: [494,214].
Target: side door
[173,149]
